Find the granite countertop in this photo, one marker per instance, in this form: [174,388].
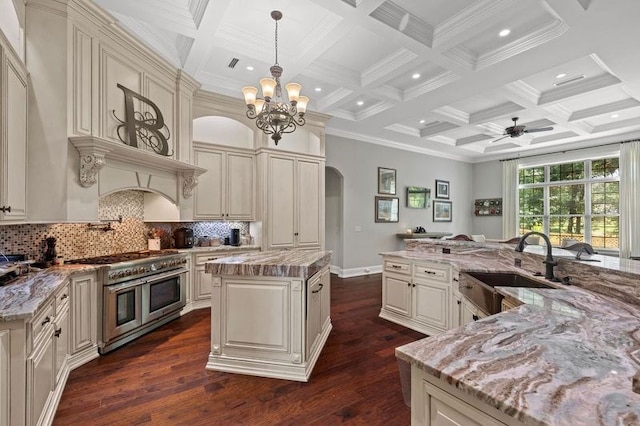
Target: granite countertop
[566,357]
[22,298]
[220,248]
[277,263]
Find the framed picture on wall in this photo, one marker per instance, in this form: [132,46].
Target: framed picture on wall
[386,181]
[442,211]
[418,197]
[442,189]
[386,209]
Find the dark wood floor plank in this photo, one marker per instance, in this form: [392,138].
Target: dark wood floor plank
[160,379]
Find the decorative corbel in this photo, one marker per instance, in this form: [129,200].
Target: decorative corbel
[90,166]
[189,182]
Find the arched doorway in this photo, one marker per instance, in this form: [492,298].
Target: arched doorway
[334,223]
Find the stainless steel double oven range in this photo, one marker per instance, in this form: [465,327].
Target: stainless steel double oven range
[138,291]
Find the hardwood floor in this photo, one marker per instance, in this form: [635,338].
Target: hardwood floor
[160,378]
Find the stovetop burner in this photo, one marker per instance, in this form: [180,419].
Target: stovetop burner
[122,257]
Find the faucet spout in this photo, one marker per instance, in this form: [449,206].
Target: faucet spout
[548,261]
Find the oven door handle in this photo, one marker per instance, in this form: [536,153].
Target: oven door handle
[169,274]
[117,288]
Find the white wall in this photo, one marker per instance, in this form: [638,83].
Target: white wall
[487,183]
[358,163]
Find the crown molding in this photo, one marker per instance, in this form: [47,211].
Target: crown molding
[578,88]
[604,109]
[495,112]
[386,66]
[453,114]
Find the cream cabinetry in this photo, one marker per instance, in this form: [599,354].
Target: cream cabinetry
[13,134]
[417,294]
[285,332]
[227,190]
[292,201]
[470,312]
[200,287]
[37,354]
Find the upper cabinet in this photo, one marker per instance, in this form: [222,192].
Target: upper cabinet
[13,134]
[292,201]
[227,190]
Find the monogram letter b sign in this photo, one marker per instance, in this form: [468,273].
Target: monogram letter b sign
[148,128]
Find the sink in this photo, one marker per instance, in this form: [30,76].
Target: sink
[479,288]
[497,279]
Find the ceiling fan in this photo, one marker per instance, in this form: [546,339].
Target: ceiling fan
[516,130]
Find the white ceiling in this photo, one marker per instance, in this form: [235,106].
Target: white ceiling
[472,81]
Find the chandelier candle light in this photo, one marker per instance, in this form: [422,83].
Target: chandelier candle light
[272,114]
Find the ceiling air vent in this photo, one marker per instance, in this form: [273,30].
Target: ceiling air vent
[233,63]
[571,80]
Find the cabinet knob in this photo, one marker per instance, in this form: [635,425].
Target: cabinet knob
[408,284]
[413,285]
[459,302]
[296,234]
[475,317]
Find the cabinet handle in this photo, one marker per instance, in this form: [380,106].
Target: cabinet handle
[459,302]
[475,317]
[456,280]
[211,258]
[429,272]
[6,209]
[46,321]
[296,234]
[318,290]
[58,332]
[396,266]
[64,296]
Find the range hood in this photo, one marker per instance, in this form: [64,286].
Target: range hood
[114,166]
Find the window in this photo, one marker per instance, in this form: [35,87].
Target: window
[577,200]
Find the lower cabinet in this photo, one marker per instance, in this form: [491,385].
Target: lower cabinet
[417,295]
[269,326]
[36,355]
[436,403]
[470,312]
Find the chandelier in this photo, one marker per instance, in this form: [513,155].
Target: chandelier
[273,115]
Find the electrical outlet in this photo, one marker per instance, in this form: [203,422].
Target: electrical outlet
[358,228]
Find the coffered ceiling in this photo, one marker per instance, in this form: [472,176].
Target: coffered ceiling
[430,76]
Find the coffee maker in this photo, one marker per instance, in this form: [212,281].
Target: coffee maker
[234,238]
[183,237]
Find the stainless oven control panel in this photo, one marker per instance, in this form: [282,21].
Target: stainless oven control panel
[132,270]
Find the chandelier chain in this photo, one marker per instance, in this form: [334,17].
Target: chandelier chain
[276,43]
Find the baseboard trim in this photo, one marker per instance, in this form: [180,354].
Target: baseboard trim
[355,272]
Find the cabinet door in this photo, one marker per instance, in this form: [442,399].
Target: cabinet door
[468,312]
[314,311]
[240,203]
[209,194]
[326,298]
[13,192]
[40,378]
[431,303]
[280,202]
[202,288]
[5,376]
[308,210]
[61,341]
[396,295]
[84,314]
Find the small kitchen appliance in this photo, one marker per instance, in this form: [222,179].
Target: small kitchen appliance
[183,238]
[234,238]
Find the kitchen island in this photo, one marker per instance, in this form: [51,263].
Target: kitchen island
[269,313]
[569,355]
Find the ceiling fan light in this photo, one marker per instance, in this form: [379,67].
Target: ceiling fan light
[302,104]
[250,94]
[293,91]
[268,87]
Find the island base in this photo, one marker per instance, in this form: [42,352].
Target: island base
[271,369]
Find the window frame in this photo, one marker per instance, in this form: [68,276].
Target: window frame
[587,181]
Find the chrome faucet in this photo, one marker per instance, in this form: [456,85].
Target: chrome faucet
[548,261]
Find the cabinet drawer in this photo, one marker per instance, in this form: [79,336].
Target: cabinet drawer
[42,322]
[62,299]
[432,272]
[202,258]
[397,267]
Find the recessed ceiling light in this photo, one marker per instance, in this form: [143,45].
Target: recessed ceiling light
[615,115]
[360,103]
[318,89]
[249,68]
[422,121]
[561,75]
[504,32]
[415,76]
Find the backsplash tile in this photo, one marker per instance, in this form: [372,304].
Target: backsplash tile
[78,240]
